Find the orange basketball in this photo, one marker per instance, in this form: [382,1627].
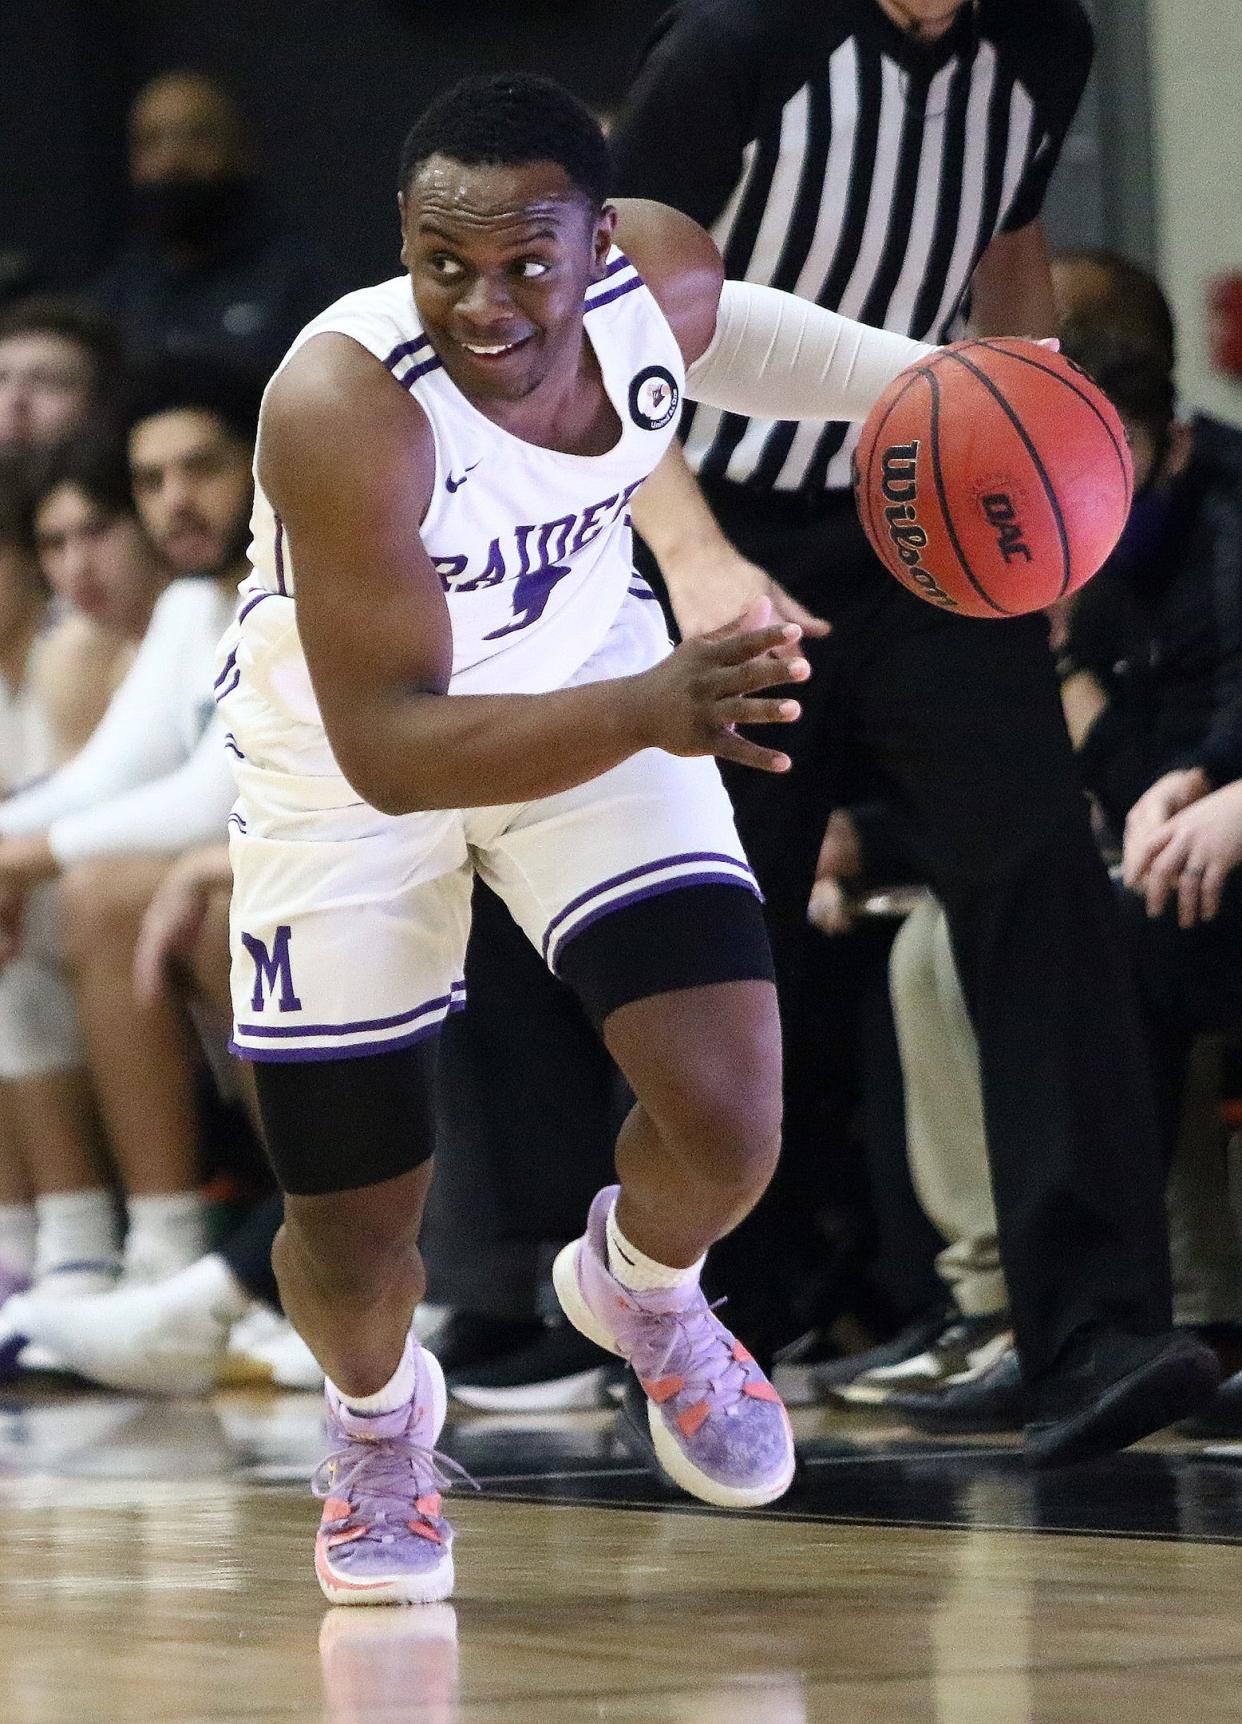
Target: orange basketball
[993,478]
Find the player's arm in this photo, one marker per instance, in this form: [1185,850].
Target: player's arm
[346,459]
[750,350]
[1011,290]
[753,349]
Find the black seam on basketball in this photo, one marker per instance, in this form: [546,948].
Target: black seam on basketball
[875,444]
[1031,450]
[1049,371]
[938,478]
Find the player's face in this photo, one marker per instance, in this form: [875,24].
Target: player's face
[191,479]
[100,564]
[46,383]
[500,258]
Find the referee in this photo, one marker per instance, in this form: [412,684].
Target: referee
[889,159]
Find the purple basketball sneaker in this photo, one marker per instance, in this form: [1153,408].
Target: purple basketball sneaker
[382,1539]
[719,1428]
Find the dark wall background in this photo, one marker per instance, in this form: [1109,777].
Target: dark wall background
[329,86]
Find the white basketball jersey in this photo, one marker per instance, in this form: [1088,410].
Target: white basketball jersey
[533,547]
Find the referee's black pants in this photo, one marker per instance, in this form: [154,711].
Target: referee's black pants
[958,725]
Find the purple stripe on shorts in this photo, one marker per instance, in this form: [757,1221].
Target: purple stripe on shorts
[253,600]
[229,662]
[280,557]
[614,293]
[405,350]
[355,1050]
[634,874]
[233,748]
[708,877]
[456,991]
[236,820]
[222,693]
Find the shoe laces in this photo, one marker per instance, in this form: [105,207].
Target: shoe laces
[693,1345]
[394,1473]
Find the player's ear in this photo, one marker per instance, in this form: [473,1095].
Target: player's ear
[605,233]
[401,217]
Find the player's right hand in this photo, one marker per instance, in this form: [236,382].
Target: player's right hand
[694,700]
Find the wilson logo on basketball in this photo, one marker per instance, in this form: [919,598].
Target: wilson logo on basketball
[999,512]
[899,484]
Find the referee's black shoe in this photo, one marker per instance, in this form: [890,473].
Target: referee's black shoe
[1108,1389]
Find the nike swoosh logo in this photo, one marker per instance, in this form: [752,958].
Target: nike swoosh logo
[456,484]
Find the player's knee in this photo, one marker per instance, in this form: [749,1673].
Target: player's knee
[351,1251]
[730,1124]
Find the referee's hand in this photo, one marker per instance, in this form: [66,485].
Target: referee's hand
[716,590]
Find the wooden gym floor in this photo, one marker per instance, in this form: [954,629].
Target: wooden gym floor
[156,1568]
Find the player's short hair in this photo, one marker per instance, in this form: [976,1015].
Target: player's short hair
[58,314]
[196,384]
[94,463]
[509,120]
[1136,380]
[1135,306]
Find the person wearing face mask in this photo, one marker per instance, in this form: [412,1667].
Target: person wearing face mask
[205,267]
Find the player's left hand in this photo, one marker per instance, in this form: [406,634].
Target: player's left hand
[1191,857]
[717,590]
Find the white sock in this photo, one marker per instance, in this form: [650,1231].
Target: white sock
[208,1285]
[640,1273]
[17,1238]
[75,1227]
[167,1232]
[397,1392]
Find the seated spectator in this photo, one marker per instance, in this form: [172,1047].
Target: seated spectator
[107,575]
[152,782]
[217,1320]
[1150,656]
[205,267]
[60,365]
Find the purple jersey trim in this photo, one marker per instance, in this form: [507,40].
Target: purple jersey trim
[614,293]
[253,600]
[351,1051]
[236,820]
[685,857]
[405,350]
[457,990]
[229,662]
[704,877]
[223,693]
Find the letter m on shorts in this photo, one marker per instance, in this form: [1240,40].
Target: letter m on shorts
[271,970]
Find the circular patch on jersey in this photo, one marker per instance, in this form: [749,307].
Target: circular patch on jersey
[654,398]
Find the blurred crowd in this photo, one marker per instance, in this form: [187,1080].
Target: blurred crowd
[136,1209]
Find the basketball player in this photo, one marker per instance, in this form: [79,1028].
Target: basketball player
[473,678]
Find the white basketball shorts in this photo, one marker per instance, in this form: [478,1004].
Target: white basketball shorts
[349,926]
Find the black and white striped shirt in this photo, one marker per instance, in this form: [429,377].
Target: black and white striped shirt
[832,156]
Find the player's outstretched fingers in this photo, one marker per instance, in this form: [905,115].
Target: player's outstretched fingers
[729,745]
[762,672]
[740,710]
[736,649]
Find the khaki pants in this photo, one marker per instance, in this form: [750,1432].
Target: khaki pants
[947,1145]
